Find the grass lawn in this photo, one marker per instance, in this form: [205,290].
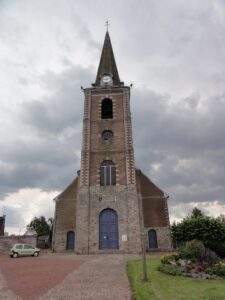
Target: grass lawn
[167,287]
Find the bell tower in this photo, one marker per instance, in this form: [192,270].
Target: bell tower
[107,207]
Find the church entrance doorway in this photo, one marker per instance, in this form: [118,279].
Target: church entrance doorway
[108,229]
[152,239]
[70,241]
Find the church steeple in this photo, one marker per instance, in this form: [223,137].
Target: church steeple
[107,65]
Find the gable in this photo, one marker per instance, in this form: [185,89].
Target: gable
[154,203]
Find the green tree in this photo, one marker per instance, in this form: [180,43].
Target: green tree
[40,225]
[196,212]
[197,226]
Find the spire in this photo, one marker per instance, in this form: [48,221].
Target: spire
[107,63]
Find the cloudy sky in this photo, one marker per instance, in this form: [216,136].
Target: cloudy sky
[173,53]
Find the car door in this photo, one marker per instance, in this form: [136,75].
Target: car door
[22,250]
[26,250]
[19,249]
[30,249]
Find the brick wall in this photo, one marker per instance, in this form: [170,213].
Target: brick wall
[7,242]
[65,216]
[101,150]
[154,202]
[2,225]
[163,238]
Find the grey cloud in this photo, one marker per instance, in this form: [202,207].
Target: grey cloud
[186,140]
[13,218]
[49,168]
[63,109]
[48,156]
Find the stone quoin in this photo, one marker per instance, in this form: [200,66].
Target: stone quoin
[110,206]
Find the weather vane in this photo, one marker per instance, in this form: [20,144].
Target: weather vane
[107,24]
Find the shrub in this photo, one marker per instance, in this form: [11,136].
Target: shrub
[193,250]
[210,231]
[220,249]
[217,269]
[170,269]
[210,257]
[168,258]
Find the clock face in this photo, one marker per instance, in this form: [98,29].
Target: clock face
[106,79]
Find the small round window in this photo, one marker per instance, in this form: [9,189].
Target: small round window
[107,135]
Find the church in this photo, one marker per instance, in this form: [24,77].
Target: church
[111,206]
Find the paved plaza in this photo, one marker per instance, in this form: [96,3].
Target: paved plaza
[64,276]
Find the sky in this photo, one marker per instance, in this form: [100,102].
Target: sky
[172,52]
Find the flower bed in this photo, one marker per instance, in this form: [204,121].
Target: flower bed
[193,260]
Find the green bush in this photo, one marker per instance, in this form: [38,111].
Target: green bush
[219,248]
[210,231]
[166,259]
[217,269]
[170,269]
[192,250]
[210,257]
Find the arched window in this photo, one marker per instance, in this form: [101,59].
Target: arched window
[70,240]
[152,239]
[107,108]
[107,173]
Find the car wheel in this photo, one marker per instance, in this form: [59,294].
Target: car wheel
[15,255]
[36,254]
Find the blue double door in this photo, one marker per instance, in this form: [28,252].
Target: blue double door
[108,229]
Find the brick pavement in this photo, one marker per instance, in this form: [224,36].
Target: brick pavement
[64,277]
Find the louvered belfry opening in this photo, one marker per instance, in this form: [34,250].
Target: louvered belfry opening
[107,109]
[107,173]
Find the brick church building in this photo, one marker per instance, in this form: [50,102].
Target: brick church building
[110,206]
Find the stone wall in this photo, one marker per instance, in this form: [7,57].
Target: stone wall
[7,242]
[124,203]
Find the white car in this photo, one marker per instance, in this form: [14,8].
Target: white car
[24,250]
